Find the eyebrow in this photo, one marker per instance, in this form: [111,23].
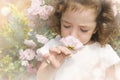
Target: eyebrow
[65,21]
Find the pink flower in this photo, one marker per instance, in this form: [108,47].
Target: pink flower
[28,54]
[35,7]
[33,10]
[71,42]
[39,7]
[30,43]
[22,55]
[41,39]
[31,69]
[45,12]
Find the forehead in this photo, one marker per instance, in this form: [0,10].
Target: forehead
[82,16]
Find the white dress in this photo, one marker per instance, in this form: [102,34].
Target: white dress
[89,63]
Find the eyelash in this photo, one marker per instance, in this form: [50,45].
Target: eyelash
[80,29]
[83,30]
[66,26]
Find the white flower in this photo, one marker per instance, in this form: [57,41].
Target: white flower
[30,43]
[24,63]
[71,42]
[5,11]
[41,39]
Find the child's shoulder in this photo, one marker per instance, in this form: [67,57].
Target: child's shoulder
[105,51]
[107,47]
[107,54]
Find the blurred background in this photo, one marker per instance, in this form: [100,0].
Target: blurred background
[16,26]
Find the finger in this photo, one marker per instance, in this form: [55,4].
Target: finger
[50,59]
[46,56]
[54,61]
[54,50]
[64,50]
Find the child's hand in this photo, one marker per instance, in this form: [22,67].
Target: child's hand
[57,55]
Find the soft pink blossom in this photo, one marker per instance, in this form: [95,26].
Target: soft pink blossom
[30,43]
[27,54]
[71,42]
[45,12]
[22,55]
[41,39]
[35,7]
[31,69]
[39,7]
[33,10]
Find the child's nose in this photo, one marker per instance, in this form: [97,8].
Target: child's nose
[74,33]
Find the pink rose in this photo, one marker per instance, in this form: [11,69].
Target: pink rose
[71,42]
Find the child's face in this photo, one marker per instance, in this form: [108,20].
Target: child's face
[80,24]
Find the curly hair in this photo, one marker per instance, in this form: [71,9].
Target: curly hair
[106,27]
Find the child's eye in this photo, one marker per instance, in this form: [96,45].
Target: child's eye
[84,30]
[66,26]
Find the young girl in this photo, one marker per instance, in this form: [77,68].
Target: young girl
[92,22]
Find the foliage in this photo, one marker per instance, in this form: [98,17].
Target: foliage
[12,37]
[11,42]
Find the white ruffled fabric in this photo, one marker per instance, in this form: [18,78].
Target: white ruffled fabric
[89,63]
